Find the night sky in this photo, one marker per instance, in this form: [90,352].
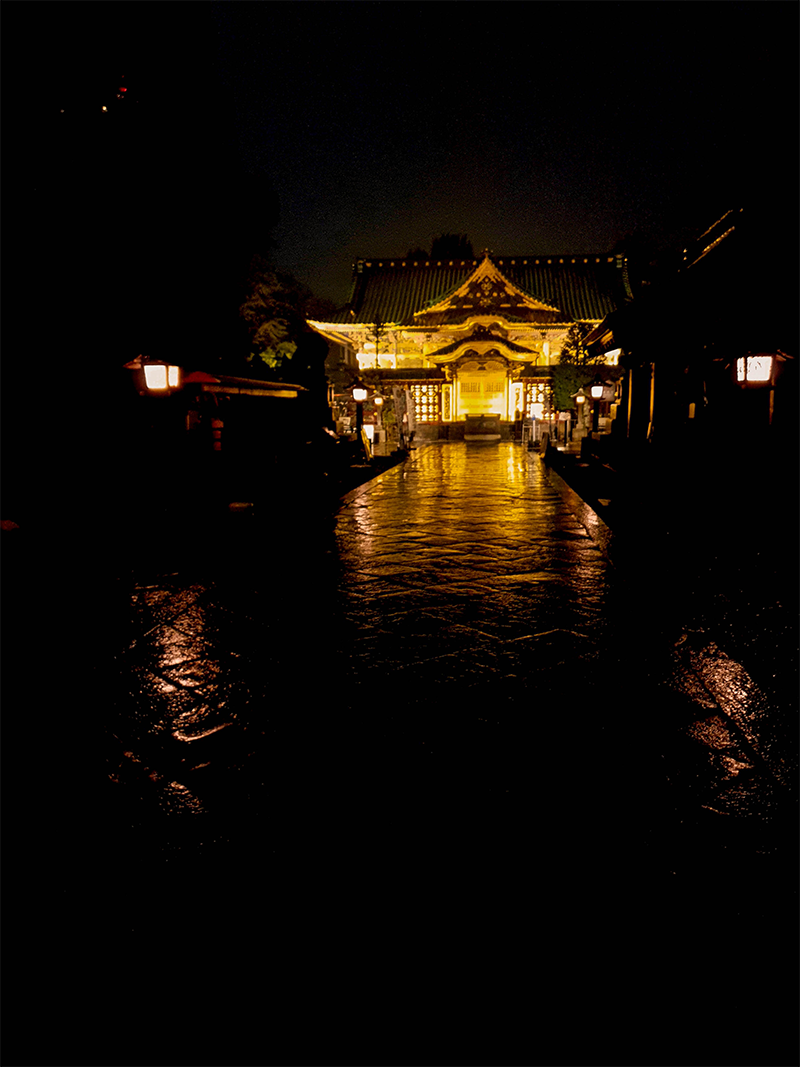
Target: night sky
[324,132]
[531,127]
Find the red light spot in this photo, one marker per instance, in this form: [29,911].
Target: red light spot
[122,89]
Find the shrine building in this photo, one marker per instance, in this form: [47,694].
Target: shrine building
[474,336]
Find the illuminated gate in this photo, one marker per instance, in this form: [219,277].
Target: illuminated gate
[482,385]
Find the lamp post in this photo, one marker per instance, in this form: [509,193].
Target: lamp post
[580,400]
[596,389]
[758,370]
[360,395]
[379,441]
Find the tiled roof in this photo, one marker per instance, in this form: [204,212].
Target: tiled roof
[584,288]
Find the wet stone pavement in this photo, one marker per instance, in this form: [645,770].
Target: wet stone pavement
[447,762]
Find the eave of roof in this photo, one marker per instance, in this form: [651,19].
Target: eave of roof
[234,386]
[330,332]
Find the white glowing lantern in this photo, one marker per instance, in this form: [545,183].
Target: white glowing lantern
[359,394]
[754,369]
[155,376]
[161,376]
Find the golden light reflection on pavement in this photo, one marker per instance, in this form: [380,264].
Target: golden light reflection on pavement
[467,570]
[745,770]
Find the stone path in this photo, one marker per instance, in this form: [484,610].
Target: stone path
[459,629]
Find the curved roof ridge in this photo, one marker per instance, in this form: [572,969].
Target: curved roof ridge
[483,274]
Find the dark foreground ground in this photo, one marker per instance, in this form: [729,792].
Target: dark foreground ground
[480,780]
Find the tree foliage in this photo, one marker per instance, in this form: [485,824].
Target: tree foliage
[274,312]
[573,349]
[567,379]
[573,370]
[377,335]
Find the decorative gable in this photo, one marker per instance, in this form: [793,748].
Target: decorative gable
[487,292]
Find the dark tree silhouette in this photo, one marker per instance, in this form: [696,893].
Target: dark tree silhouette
[446,246]
[452,246]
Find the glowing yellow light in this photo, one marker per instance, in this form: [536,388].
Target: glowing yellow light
[580,399]
[172,377]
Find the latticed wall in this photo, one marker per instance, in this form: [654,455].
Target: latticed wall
[537,392]
[427,399]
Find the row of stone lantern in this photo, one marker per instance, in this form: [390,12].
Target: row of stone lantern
[598,390]
[360,394]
